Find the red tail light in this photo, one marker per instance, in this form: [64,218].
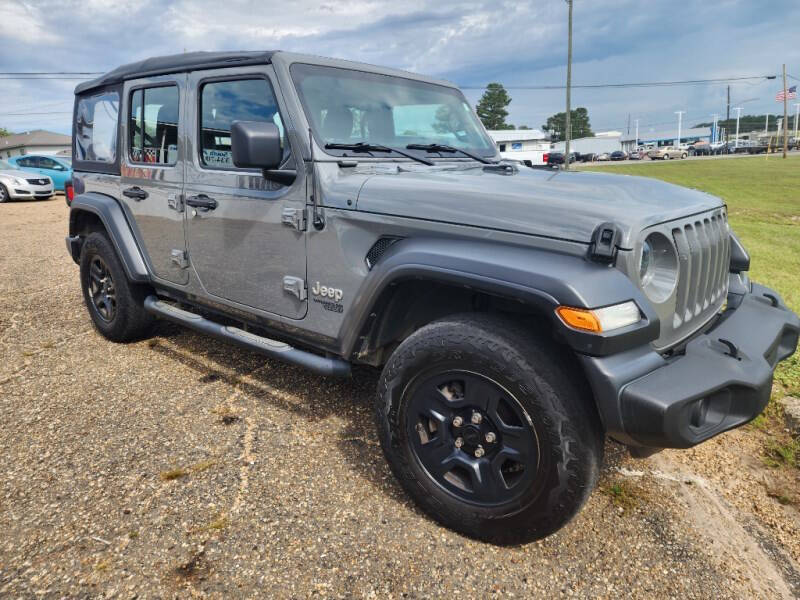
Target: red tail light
[70,193]
[545,157]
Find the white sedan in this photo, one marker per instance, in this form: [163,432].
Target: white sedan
[18,184]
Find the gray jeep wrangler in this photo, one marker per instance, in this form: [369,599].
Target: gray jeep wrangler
[327,213]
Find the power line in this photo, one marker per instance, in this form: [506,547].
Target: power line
[628,85]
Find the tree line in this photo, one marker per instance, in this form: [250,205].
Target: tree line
[491,109]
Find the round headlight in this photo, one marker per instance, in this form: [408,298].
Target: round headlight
[658,267]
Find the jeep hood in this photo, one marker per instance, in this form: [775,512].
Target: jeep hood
[563,205]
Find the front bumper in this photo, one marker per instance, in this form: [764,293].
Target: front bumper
[722,378]
[30,190]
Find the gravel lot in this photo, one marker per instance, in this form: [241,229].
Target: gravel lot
[181,466]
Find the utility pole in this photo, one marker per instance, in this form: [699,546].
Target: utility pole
[785,119]
[738,110]
[714,135]
[569,84]
[680,118]
[766,125]
[796,116]
[637,132]
[728,116]
[629,124]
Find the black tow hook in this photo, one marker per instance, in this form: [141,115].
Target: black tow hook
[733,351]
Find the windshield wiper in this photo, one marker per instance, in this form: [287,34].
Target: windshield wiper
[445,148]
[364,147]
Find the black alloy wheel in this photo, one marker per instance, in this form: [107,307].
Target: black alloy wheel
[101,289]
[472,437]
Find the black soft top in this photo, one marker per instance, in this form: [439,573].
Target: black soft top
[176,63]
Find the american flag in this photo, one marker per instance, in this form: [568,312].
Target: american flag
[791,94]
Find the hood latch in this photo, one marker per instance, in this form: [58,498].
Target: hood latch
[605,239]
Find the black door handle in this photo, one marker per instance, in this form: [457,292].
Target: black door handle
[201,201]
[135,192]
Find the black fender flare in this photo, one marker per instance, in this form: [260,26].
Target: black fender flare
[544,279]
[111,215]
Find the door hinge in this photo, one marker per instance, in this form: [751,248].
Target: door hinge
[294,217]
[180,259]
[295,286]
[175,202]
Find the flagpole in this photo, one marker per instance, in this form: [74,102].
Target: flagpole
[785,118]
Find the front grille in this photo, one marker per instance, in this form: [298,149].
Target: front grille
[37,181]
[704,253]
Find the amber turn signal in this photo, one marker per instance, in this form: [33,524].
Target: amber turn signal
[579,318]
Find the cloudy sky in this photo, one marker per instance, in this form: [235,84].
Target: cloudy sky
[470,42]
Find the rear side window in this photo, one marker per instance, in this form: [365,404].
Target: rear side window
[96,120]
[153,125]
[222,103]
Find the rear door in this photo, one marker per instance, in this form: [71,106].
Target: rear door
[152,172]
[249,249]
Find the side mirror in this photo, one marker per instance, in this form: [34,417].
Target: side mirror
[256,145]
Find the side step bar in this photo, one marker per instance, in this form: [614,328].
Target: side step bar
[272,348]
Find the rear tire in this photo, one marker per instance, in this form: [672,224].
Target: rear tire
[4,197]
[115,305]
[543,460]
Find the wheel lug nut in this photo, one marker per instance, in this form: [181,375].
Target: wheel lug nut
[458,422]
[479,452]
[476,418]
[491,437]
[459,442]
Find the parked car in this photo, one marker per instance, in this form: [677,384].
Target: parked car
[636,154]
[617,155]
[603,156]
[667,152]
[518,318]
[57,168]
[700,149]
[588,157]
[18,184]
[557,158]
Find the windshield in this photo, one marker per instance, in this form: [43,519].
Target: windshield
[67,161]
[4,166]
[348,107]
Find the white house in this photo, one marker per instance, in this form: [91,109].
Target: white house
[525,145]
[37,141]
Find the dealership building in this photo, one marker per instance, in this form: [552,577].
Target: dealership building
[525,145]
[666,137]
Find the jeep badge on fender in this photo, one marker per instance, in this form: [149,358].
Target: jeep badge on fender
[334,294]
[518,317]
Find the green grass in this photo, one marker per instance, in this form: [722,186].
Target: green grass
[763,198]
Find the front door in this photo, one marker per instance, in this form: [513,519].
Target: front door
[152,172]
[240,246]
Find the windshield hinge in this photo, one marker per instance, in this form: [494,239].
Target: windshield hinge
[294,217]
[295,286]
[605,239]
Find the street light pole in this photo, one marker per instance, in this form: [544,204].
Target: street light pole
[738,110]
[636,145]
[714,135]
[680,119]
[568,132]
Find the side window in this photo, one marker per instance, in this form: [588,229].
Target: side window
[47,163]
[222,103]
[96,127]
[153,125]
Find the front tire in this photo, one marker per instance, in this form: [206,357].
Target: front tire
[4,197]
[522,468]
[115,305]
